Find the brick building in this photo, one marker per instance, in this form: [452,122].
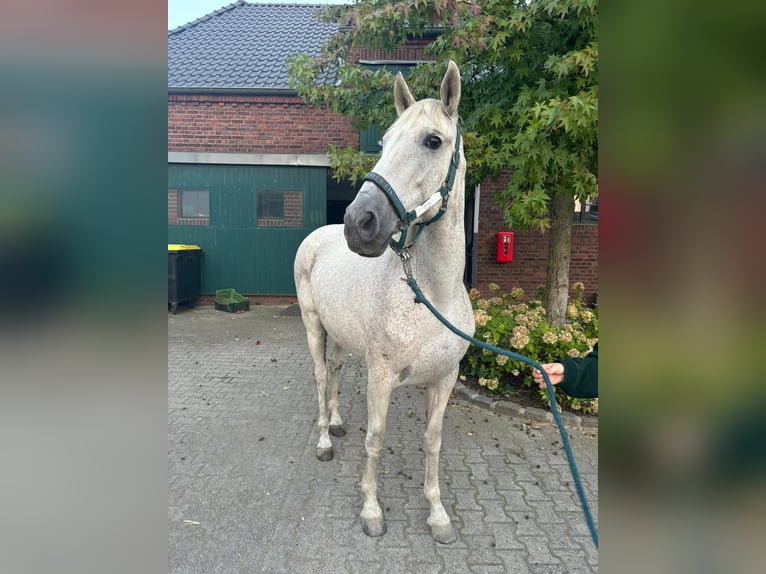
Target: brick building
[248,175]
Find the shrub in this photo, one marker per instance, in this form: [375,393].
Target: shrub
[509,322]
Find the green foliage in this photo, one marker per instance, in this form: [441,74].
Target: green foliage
[529,102]
[365,96]
[508,322]
[530,88]
[349,164]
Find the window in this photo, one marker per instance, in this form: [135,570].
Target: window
[587,211]
[271,204]
[369,139]
[278,208]
[188,207]
[194,204]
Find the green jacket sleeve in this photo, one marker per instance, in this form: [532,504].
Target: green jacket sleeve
[581,376]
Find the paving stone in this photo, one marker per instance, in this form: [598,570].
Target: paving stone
[241,463]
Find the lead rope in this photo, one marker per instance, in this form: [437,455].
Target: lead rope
[420,298]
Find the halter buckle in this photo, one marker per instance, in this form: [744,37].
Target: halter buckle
[404,255]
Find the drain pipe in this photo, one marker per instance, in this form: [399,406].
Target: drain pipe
[475,239]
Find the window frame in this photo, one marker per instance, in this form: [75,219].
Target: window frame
[268,196]
[586,212]
[292,208]
[181,202]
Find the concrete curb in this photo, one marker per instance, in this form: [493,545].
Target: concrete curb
[531,414]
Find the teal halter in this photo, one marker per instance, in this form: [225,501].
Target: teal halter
[407,218]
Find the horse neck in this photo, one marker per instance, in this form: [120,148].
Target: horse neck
[438,259]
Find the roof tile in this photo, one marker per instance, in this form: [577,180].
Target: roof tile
[244,45]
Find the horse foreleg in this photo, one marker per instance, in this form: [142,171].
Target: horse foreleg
[336,360]
[317,337]
[378,397]
[437,397]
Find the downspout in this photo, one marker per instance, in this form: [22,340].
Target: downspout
[475,238]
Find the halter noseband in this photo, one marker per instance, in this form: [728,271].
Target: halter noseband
[408,218]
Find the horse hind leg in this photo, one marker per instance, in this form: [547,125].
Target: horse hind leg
[333,370]
[437,397]
[317,339]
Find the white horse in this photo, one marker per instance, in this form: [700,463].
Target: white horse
[352,290]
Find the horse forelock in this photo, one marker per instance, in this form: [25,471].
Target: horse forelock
[428,110]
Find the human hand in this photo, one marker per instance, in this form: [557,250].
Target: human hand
[555,373]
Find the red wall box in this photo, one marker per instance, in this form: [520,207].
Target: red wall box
[504,252]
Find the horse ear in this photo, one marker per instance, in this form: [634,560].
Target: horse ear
[450,90]
[402,96]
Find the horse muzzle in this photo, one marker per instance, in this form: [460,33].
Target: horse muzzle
[369,224]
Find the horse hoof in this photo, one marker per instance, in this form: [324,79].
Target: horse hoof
[374,527]
[337,430]
[444,534]
[324,454]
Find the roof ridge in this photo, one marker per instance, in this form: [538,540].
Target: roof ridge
[206,17]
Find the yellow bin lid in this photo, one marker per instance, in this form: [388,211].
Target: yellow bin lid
[182,247]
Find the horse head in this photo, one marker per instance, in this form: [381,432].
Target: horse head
[420,154]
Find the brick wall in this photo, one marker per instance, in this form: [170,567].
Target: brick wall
[253,124]
[172,207]
[413,51]
[266,124]
[530,252]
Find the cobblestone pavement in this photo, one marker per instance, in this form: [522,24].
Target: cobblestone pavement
[247,494]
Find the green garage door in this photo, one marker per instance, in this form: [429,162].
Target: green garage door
[249,221]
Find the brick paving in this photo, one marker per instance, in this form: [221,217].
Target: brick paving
[247,494]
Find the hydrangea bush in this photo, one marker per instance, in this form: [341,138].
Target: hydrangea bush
[509,322]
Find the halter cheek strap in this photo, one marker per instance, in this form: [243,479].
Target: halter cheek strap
[409,218]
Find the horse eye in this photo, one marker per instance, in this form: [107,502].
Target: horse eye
[433,142]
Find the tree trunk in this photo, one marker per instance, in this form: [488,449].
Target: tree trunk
[559,244]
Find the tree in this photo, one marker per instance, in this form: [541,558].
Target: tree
[529,103]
